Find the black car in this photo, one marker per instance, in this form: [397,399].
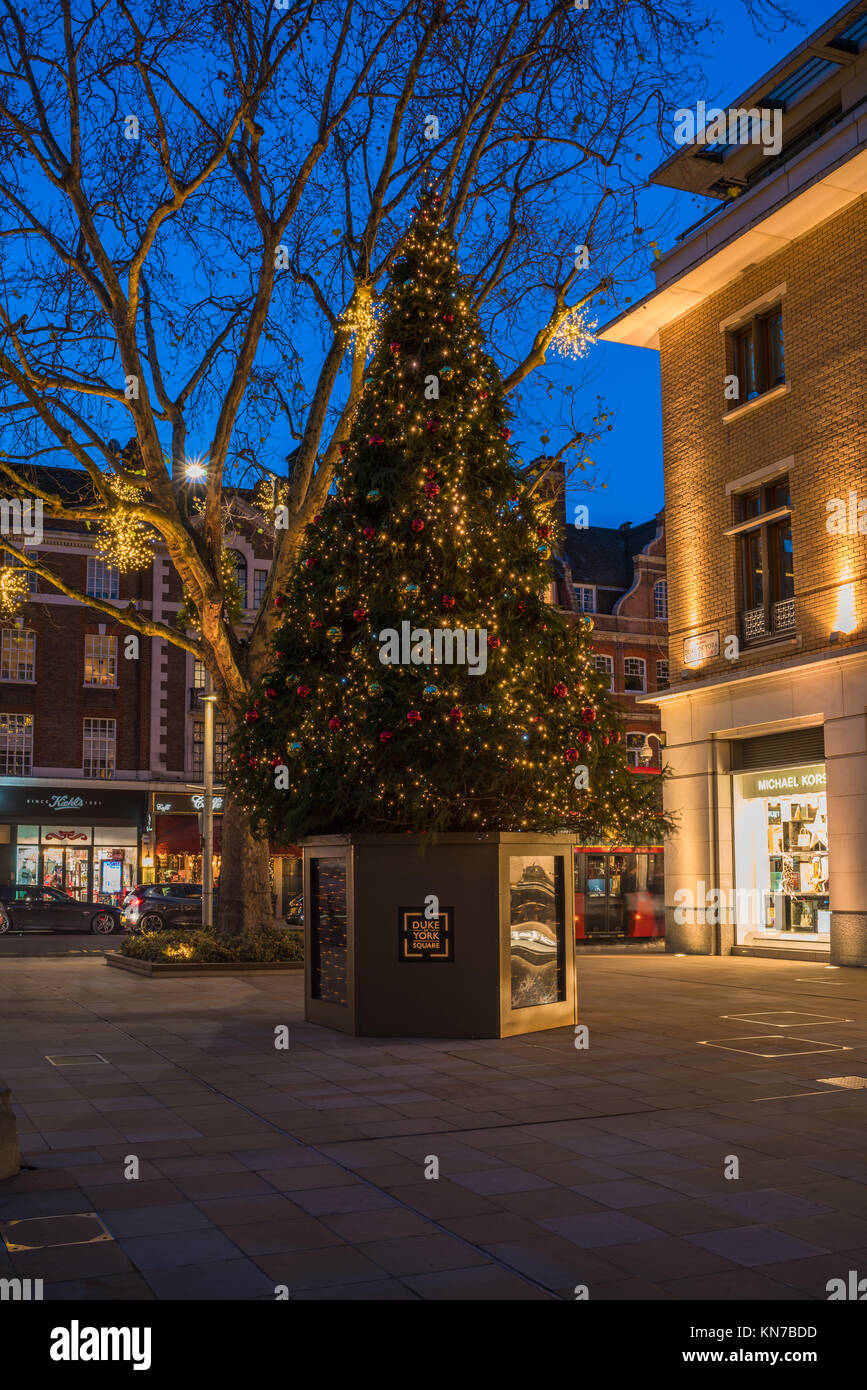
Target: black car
[158,905]
[27,907]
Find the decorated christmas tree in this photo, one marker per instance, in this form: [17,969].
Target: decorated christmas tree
[420,680]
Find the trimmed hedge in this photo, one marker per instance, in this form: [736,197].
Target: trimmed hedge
[171,947]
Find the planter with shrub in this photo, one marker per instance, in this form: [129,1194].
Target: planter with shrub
[177,952]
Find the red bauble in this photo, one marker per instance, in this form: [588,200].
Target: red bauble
[448,601]
[584,735]
[316,623]
[493,642]
[616,736]
[606,740]
[522,605]
[334,722]
[368,532]
[417,524]
[413,715]
[344,449]
[543,532]
[432,489]
[506,433]
[251,716]
[375,439]
[571,755]
[303,691]
[311,561]
[430,472]
[271,693]
[432,426]
[279,600]
[561,690]
[276,761]
[386,736]
[254,762]
[447,318]
[483,395]
[359,614]
[456,713]
[588,714]
[395,348]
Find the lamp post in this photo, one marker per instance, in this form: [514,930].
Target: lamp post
[209,699]
[646,753]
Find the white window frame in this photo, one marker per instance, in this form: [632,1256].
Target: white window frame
[107,658]
[99,746]
[660,600]
[13,638]
[631,675]
[663,661]
[607,669]
[580,591]
[16,745]
[635,741]
[103,579]
[221,749]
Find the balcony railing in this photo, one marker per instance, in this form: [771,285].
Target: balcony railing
[757,623]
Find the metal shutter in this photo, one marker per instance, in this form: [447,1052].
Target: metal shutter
[778,750]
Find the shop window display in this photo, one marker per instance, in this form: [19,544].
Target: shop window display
[781,853]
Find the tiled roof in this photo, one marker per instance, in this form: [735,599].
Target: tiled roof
[603,555]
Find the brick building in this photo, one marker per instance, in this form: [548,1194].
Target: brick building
[615,578]
[102,731]
[760,318]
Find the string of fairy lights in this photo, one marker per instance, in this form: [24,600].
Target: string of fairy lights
[430,522]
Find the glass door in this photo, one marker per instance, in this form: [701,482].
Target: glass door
[76,876]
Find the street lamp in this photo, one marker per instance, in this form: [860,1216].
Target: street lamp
[646,753]
[209,699]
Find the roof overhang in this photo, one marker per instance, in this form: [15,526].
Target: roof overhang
[707,271]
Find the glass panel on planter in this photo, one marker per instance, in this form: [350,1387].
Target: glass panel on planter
[537,930]
[328,930]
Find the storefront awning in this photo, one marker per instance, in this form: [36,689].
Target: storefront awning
[180,835]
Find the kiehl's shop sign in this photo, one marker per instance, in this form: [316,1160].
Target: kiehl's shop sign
[425,938]
[785,781]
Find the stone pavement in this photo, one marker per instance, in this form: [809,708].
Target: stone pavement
[557,1166]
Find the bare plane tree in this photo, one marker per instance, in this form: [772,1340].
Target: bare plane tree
[198,205]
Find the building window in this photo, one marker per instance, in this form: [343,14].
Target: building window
[759,361]
[100,659]
[634,745]
[221,752]
[662,677]
[99,747]
[103,580]
[660,600]
[767,562]
[15,563]
[16,745]
[260,579]
[198,674]
[605,666]
[239,574]
[17,654]
[586,596]
[634,673]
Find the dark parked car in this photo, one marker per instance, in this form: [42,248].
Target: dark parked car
[158,905]
[27,907]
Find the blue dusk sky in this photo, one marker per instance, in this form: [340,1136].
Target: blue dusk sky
[629,458]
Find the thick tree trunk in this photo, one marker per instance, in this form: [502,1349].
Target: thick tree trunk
[244,899]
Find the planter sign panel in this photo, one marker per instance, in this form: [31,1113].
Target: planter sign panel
[425,938]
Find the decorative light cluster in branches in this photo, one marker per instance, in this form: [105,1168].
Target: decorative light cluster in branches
[430,527]
[123,539]
[574,334]
[362,318]
[14,592]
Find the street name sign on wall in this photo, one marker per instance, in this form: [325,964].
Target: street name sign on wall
[701,647]
[425,938]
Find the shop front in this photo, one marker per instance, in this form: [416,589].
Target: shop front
[177,854]
[782,869]
[619,893]
[87,843]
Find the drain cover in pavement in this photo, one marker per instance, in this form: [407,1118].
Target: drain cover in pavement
[851,1083]
[45,1232]
[78,1059]
[774,1045]
[786,1018]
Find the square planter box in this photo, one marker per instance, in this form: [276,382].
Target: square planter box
[458,936]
